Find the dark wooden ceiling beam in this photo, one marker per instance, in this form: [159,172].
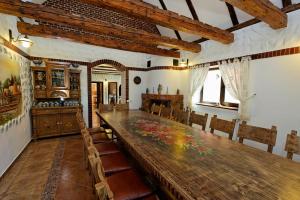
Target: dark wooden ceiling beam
[232,14]
[263,10]
[47,32]
[163,5]
[251,22]
[286,3]
[165,18]
[56,16]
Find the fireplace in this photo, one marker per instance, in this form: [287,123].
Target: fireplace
[166,100]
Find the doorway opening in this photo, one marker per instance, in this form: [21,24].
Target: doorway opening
[106,82]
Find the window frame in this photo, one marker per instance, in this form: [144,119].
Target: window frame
[222,103]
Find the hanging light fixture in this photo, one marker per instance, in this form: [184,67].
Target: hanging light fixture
[24,41]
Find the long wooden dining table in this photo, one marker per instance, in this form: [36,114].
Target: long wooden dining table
[193,164]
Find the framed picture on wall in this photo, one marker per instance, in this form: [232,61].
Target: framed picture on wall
[112,92]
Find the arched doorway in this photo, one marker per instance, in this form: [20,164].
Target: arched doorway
[106,63]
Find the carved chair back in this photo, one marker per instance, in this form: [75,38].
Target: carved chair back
[166,112]
[105,107]
[292,145]
[102,188]
[122,107]
[198,119]
[222,125]
[182,116]
[258,134]
[155,109]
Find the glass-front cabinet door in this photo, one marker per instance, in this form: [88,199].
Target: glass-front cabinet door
[58,77]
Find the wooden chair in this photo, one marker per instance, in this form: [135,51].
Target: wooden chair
[222,125]
[166,112]
[112,163]
[181,116]
[155,109]
[198,119]
[258,134]
[106,107]
[98,134]
[292,145]
[123,185]
[122,107]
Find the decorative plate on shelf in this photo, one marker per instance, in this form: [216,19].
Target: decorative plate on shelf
[137,80]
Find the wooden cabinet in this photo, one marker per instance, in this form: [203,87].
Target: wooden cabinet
[58,82]
[175,101]
[74,83]
[39,82]
[47,122]
[51,84]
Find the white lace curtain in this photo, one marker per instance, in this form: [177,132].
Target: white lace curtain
[236,79]
[197,77]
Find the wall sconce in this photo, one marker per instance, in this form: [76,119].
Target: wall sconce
[24,41]
[184,62]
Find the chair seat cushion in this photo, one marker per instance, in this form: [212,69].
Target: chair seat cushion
[128,185]
[100,137]
[113,163]
[106,148]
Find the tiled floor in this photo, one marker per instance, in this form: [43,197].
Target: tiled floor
[49,169]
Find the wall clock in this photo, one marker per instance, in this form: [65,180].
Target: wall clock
[137,80]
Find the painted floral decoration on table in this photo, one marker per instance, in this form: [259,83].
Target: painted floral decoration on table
[169,134]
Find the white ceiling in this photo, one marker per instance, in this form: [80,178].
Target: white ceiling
[212,12]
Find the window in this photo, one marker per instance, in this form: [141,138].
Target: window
[214,92]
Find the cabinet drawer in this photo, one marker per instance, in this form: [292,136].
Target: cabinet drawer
[68,110]
[69,123]
[45,111]
[47,125]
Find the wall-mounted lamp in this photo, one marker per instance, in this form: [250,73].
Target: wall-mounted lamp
[24,41]
[184,62]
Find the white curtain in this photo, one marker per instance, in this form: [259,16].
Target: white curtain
[236,79]
[197,77]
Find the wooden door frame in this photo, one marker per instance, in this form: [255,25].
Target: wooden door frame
[99,86]
[118,66]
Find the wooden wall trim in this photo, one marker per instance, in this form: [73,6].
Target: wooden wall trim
[268,54]
[121,67]
[14,48]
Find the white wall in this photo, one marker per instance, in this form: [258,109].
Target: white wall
[275,82]
[135,91]
[171,79]
[15,138]
[13,141]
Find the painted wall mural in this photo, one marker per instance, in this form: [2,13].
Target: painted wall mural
[15,88]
